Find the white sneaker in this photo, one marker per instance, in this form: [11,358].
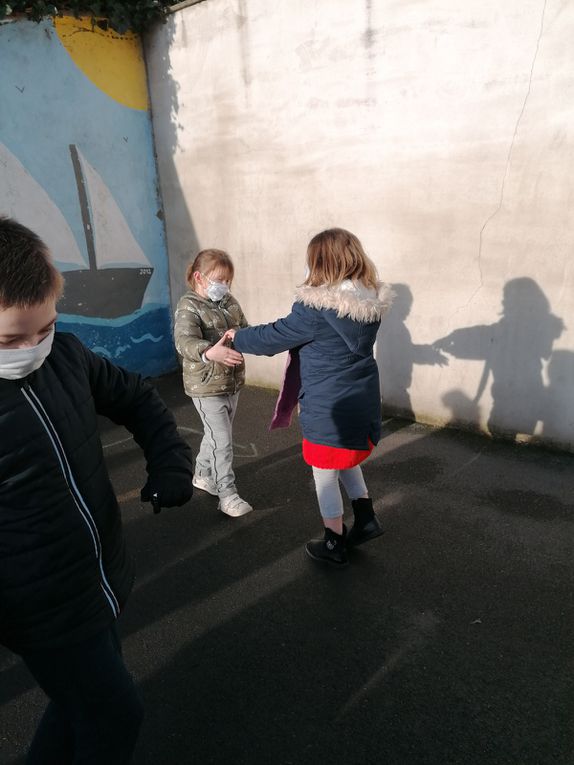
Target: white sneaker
[205,484]
[234,506]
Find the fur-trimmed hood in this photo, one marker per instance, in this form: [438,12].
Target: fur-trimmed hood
[350,299]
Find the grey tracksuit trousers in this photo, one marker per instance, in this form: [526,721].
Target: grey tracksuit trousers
[215,457]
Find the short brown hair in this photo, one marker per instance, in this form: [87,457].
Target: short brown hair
[27,273]
[335,255]
[207,261]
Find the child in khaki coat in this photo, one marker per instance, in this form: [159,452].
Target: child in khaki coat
[213,373]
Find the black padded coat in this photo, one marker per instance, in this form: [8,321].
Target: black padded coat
[64,571]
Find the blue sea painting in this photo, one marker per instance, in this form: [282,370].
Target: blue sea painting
[139,342]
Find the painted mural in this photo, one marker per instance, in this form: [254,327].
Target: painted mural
[77,166]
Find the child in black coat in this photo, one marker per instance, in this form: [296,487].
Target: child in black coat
[64,571]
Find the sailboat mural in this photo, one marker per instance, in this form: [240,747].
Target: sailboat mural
[117,274]
[86,182]
[23,198]
[118,271]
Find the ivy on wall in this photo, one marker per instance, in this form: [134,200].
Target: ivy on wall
[121,15]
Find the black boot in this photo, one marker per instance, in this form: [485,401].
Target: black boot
[331,549]
[366,524]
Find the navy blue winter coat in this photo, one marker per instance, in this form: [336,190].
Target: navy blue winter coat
[64,570]
[334,329]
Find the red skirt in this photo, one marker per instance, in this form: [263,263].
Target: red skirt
[333,457]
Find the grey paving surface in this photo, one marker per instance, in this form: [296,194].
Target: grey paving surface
[449,640]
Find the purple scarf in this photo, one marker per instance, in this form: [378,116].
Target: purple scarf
[289,393]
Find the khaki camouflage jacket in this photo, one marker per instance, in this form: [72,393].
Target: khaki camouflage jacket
[199,324]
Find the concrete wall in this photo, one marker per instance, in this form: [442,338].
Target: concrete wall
[441,133]
[77,166]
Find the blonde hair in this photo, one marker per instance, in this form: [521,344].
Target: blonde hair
[207,261]
[335,255]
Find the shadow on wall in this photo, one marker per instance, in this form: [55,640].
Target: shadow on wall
[513,350]
[558,404]
[464,410]
[178,223]
[396,355]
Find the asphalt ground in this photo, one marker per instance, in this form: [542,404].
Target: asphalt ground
[447,640]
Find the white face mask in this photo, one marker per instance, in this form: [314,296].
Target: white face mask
[216,290]
[16,363]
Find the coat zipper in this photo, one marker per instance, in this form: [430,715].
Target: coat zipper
[226,314]
[42,415]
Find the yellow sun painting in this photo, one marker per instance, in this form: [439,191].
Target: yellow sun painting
[113,62]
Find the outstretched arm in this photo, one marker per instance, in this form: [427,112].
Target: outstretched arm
[426,354]
[298,328]
[128,400]
[468,342]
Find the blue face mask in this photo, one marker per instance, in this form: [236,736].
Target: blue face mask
[216,291]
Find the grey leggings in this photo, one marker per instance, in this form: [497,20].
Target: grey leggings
[329,493]
[215,457]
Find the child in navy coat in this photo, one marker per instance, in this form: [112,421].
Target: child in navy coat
[332,329]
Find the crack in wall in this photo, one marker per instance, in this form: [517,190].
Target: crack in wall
[493,215]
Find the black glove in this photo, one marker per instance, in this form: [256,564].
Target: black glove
[168,489]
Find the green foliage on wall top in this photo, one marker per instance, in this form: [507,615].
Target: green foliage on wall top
[122,15]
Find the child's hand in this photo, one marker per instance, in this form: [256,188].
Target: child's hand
[223,354]
[230,334]
[168,489]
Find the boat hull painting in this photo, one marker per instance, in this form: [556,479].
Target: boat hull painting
[106,293]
